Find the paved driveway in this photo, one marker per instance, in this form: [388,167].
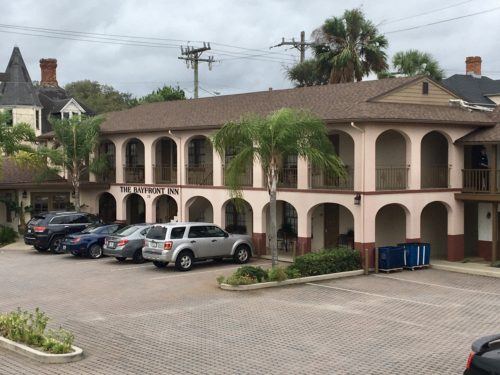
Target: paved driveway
[136,319]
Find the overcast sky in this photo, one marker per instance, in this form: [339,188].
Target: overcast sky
[255,24]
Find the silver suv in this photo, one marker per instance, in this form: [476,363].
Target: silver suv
[183,243]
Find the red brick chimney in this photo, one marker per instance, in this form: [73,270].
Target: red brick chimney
[473,66]
[48,68]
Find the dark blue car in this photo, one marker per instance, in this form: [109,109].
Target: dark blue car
[88,242]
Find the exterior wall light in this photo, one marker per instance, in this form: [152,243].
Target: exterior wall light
[357,199]
[25,194]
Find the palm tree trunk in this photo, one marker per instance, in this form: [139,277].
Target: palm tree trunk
[273,240]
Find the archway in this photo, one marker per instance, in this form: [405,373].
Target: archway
[286,226]
[434,228]
[134,161]
[165,169]
[391,154]
[107,208]
[332,225]
[238,217]
[200,161]
[166,209]
[199,209]
[390,225]
[434,161]
[136,209]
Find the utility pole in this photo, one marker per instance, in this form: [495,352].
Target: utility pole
[192,56]
[301,46]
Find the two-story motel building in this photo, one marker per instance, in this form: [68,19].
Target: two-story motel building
[397,138]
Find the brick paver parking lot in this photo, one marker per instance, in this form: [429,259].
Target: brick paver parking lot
[136,319]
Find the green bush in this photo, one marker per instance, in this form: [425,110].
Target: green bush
[29,328]
[276,274]
[496,264]
[256,273]
[240,280]
[292,272]
[328,261]
[220,279]
[7,235]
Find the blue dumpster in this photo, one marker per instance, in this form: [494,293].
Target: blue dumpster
[391,257]
[416,254]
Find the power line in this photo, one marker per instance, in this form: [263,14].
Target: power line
[301,46]
[192,56]
[442,21]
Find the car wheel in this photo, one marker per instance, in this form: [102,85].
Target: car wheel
[137,258]
[241,254]
[121,259]
[160,264]
[184,261]
[55,244]
[95,251]
[40,249]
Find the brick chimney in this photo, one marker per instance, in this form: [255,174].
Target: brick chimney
[48,68]
[473,66]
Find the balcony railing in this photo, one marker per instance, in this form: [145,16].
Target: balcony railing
[245,179]
[320,179]
[287,177]
[392,177]
[133,174]
[165,174]
[436,176]
[481,180]
[201,174]
[107,177]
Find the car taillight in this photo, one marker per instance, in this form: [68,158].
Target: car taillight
[39,229]
[122,242]
[167,245]
[76,240]
[469,360]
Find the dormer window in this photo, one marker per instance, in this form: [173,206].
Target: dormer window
[425,88]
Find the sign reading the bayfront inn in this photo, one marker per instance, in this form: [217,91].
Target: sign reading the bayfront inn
[149,190]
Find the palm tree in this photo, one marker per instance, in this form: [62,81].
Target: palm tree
[350,46]
[270,140]
[414,62]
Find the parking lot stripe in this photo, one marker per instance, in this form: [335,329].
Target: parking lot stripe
[197,273]
[376,295]
[475,291]
[132,268]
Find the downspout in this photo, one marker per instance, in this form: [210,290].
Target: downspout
[362,131]
[180,216]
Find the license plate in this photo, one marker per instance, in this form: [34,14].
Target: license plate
[153,244]
[111,244]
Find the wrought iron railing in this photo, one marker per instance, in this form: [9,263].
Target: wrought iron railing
[287,177]
[480,180]
[392,177]
[320,179]
[201,174]
[107,177]
[165,174]
[246,179]
[133,174]
[436,176]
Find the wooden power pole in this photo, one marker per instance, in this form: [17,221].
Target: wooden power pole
[301,46]
[192,56]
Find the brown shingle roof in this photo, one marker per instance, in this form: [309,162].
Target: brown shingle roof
[335,103]
[13,173]
[488,135]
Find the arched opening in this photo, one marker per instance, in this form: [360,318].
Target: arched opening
[136,209]
[108,150]
[391,161]
[238,217]
[434,228]
[200,161]
[107,208]
[343,145]
[332,225]
[165,168]
[199,209]
[286,226]
[287,174]
[390,225]
[166,209]
[434,161]
[246,179]
[134,161]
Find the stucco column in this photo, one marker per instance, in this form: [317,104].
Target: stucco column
[182,161]
[302,173]
[259,228]
[150,208]
[121,208]
[456,245]
[258,174]
[148,162]
[413,231]
[456,163]
[369,160]
[217,168]
[119,163]
[413,159]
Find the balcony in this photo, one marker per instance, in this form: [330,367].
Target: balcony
[246,179]
[133,174]
[165,174]
[392,177]
[287,177]
[480,181]
[201,174]
[109,177]
[437,176]
[320,179]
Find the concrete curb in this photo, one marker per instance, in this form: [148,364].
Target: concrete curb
[43,357]
[467,271]
[300,280]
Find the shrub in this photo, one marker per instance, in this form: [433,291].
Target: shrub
[496,264]
[328,261]
[276,274]
[29,328]
[240,280]
[292,272]
[256,273]
[220,279]
[7,235]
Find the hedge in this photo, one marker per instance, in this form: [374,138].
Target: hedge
[328,261]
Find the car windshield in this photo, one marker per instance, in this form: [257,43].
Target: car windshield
[36,220]
[157,233]
[92,229]
[128,230]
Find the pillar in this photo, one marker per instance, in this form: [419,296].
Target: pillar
[148,162]
[413,159]
[217,168]
[302,173]
[120,161]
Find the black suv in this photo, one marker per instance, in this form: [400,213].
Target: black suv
[46,230]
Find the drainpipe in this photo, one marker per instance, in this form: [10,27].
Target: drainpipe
[180,215]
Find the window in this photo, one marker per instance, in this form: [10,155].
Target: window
[213,231]
[64,219]
[425,88]
[132,154]
[198,232]
[65,115]
[79,219]
[157,233]
[177,233]
[290,216]
[37,119]
[196,151]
